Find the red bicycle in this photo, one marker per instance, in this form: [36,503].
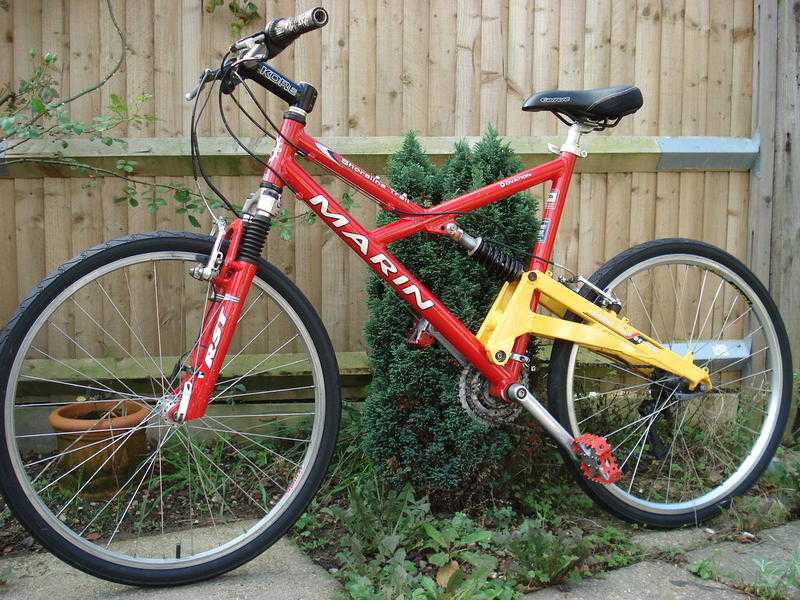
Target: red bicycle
[172,400]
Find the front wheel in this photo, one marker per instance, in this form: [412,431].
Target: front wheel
[88,461]
[684,455]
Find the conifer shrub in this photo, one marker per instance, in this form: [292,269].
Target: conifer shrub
[416,429]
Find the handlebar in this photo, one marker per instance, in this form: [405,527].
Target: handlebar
[266,44]
[280,33]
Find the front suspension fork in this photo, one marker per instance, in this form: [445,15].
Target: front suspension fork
[228,291]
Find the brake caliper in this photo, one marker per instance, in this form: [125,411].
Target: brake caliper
[597,462]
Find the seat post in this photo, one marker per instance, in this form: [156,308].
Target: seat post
[573,142]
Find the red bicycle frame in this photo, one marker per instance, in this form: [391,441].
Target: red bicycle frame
[233,282]
[371,245]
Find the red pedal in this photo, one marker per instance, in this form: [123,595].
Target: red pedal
[597,462]
[420,335]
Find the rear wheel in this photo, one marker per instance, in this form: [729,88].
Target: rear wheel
[88,461]
[684,455]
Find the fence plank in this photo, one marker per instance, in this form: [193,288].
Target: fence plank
[389,63]
[547,24]
[415,65]
[763,125]
[442,67]
[786,245]
[468,48]
[335,55]
[493,87]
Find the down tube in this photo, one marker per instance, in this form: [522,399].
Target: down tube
[387,267]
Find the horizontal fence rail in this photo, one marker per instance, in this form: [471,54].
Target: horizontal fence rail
[222,156]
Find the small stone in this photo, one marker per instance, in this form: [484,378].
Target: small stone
[709,531]
[27,542]
[333,570]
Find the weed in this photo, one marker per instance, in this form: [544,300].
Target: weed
[776,580]
[704,569]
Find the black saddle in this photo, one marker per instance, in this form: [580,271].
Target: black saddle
[601,106]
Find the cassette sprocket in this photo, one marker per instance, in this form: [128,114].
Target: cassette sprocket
[473,392]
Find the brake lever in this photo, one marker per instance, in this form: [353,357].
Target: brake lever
[205,77]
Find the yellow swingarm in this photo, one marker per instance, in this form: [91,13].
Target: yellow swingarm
[602,330]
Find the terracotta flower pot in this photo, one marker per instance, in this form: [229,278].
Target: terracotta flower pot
[107,465]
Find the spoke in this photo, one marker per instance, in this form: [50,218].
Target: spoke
[710,310]
[119,491]
[725,324]
[228,477]
[253,339]
[233,382]
[245,457]
[127,324]
[113,339]
[152,463]
[105,441]
[642,418]
[291,414]
[83,387]
[102,388]
[607,407]
[697,312]
[122,441]
[646,312]
[163,379]
[99,430]
[726,383]
[728,367]
[99,364]
[258,393]
[200,477]
[246,436]
[261,435]
[252,304]
[622,389]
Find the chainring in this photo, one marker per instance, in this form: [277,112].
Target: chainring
[473,392]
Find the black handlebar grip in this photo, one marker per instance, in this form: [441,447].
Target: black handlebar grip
[282,32]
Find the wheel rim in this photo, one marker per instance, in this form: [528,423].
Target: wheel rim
[705,433]
[222,514]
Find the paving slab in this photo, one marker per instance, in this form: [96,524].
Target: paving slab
[653,580]
[683,540]
[734,562]
[282,573]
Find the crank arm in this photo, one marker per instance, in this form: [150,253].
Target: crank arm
[591,453]
[519,393]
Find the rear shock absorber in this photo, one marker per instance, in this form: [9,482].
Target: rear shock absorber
[489,255]
[257,223]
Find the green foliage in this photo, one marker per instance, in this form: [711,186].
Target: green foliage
[417,431]
[244,13]
[777,579]
[704,569]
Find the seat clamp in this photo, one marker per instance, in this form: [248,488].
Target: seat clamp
[573,142]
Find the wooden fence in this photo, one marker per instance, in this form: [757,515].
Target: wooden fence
[444,69]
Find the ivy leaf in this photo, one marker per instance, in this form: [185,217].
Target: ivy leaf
[193,220]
